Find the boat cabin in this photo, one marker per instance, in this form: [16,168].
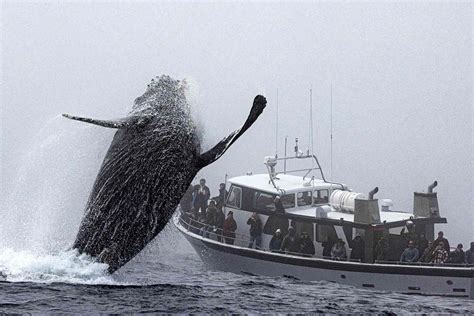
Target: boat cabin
[326,211]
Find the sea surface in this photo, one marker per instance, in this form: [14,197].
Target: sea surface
[169,277]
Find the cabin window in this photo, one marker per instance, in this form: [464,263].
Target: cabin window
[288,201]
[321,196]
[304,198]
[235,197]
[264,201]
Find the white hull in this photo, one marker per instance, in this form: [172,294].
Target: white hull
[396,278]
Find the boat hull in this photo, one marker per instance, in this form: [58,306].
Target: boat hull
[382,277]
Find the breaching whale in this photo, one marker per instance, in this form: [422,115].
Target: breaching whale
[153,158]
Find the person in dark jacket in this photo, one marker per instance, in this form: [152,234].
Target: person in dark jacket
[220,218]
[277,240]
[358,249]
[229,228]
[201,196]
[457,256]
[327,246]
[381,250]
[306,245]
[255,230]
[220,199]
[211,214]
[443,240]
[291,243]
[427,255]
[470,254]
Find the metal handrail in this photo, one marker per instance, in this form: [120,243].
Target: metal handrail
[246,239]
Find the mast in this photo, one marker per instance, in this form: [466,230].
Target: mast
[331,178]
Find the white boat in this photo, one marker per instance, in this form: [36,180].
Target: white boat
[324,210]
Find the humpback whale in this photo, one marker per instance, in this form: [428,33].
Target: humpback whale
[153,158]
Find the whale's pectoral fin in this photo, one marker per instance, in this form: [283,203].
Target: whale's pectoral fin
[122,123]
[218,150]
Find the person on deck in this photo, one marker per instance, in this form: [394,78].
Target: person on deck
[443,240]
[306,245]
[211,214]
[410,254]
[255,230]
[229,228]
[457,256]
[428,253]
[327,246]
[220,199]
[220,218]
[277,240]
[470,254]
[381,250]
[290,243]
[358,249]
[201,196]
[338,251]
[440,255]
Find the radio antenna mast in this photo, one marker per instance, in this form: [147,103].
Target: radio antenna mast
[311,120]
[331,139]
[276,131]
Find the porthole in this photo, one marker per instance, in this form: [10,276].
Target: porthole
[343,276]
[449,282]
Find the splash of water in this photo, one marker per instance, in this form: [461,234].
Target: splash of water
[64,266]
[45,201]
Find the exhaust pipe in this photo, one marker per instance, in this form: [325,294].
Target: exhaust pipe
[432,186]
[372,193]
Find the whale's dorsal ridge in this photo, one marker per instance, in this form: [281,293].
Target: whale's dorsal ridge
[221,147]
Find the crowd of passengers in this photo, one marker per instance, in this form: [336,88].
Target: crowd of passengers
[209,217]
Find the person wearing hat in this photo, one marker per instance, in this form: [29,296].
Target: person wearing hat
[277,239]
[229,228]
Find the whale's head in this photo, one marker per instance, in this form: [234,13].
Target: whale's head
[163,95]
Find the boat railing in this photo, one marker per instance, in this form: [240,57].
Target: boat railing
[242,240]
[208,232]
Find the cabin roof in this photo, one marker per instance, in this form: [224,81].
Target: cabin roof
[288,183]
[388,216]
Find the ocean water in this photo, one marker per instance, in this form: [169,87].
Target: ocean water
[169,277]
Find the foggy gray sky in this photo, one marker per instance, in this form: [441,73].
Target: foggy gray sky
[401,76]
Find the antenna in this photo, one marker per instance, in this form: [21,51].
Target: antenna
[331,178]
[311,122]
[276,131]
